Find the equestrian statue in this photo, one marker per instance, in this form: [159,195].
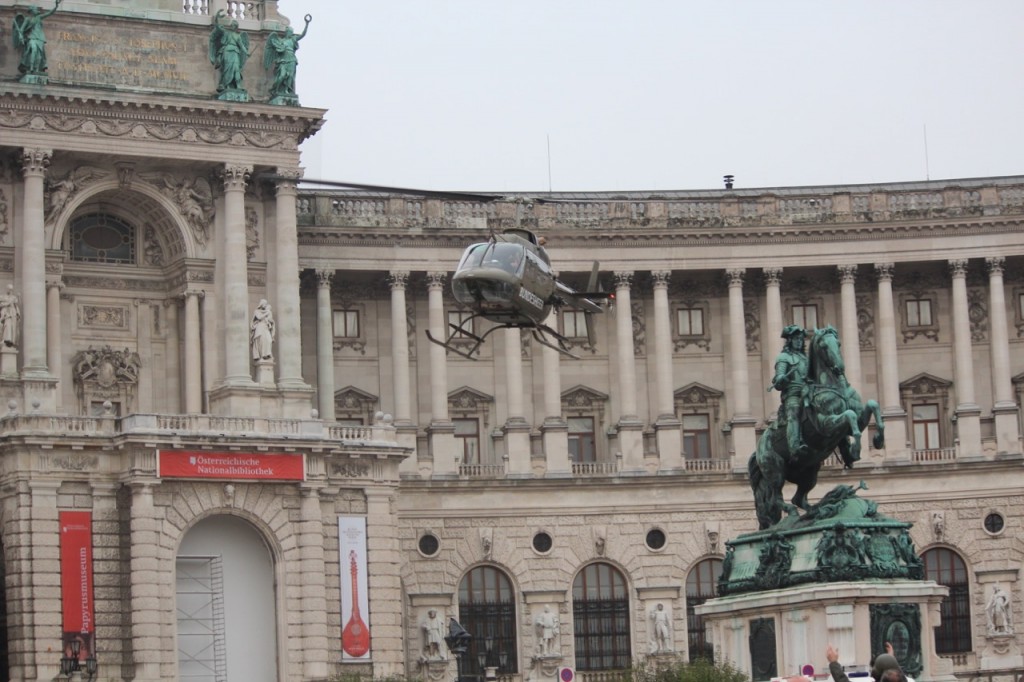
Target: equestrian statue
[819,414]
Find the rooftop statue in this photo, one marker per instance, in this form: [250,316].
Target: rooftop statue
[29,39]
[820,413]
[280,54]
[228,51]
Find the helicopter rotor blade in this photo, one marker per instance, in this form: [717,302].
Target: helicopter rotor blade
[436,194]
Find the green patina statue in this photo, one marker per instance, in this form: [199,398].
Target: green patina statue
[820,413]
[280,54]
[228,51]
[30,40]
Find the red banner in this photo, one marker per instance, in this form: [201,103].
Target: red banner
[231,465]
[76,581]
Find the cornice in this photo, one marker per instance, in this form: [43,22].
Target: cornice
[65,111]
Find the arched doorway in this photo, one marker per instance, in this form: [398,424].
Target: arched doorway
[225,603]
[487,609]
[600,607]
[946,567]
[701,585]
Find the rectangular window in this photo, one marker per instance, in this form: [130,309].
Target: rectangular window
[574,324]
[806,316]
[690,321]
[346,323]
[926,427]
[467,432]
[581,439]
[460,319]
[919,312]
[697,436]
[1020,306]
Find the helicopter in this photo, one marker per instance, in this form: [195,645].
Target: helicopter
[509,281]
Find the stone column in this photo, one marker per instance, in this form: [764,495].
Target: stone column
[555,429]
[144,584]
[630,427]
[968,412]
[896,444]
[400,347]
[313,590]
[849,332]
[1004,408]
[53,328]
[173,376]
[404,426]
[517,430]
[44,589]
[441,432]
[667,427]
[772,325]
[236,312]
[286,313]
[384,570]
[31,264]
[742,422]
[325,345]
[193,354]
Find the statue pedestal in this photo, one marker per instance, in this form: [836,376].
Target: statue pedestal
[1001,652]
[776,633]
[265,373]
[8,362]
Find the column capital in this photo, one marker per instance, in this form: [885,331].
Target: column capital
[735,276]
[324,278]
[772,276]
[398,279]
[286,179]
[198,293]
[35,161]
[661,278]
[623,279]
[435,281]
[235,177]
[847,273]
[958,267]
[55,284]
[884,271]
[995,265]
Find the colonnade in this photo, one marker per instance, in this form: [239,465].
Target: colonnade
[740,418]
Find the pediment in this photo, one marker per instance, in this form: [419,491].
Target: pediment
[583,396]
[353,398]
[696,393]
[467,398]
[925,384]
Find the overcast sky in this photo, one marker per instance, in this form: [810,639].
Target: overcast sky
[669,94]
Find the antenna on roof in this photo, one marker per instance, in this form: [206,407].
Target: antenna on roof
[927,175]
[728,181]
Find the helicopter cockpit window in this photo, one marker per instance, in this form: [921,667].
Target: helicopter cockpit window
[500,255]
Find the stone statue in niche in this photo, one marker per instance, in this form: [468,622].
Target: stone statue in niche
[262,331]
[433,636]
[547,626]
[999,612]
[661,629]
[10,318]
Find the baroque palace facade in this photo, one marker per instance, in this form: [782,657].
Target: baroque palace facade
[171,508]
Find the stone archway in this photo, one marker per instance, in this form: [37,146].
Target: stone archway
[225,603]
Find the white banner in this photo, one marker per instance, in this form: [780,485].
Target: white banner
[355,611]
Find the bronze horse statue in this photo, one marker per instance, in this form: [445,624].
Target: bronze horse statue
[832,417]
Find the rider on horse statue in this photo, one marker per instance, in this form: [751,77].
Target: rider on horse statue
[790,377]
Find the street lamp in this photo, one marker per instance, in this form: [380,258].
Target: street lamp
[484,657]
[458,642]
[73,664]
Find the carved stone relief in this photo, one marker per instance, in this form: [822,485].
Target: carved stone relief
[152,250]
[977,314]
[104,374]
[639,328]
[252,233]
[60,190]
[194,199]
[865,322]
[103,316]
[751,324]
[3,218]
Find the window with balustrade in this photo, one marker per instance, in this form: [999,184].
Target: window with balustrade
[582,444]
[487,609]
[354,406]
[467,437]
[697,408]
[701,585]
[346,324]
[691,326]
[697,436]
[946,567]
[926,399]
[600,607]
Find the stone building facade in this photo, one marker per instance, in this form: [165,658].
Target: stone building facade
[569,512]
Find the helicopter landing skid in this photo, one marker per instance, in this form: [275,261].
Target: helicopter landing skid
[540,333]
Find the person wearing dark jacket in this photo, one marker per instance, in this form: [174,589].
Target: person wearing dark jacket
[885,667]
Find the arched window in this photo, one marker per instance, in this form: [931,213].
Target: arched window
[102,238]
[946,567]
[487,610]
[600,608]
[701,585]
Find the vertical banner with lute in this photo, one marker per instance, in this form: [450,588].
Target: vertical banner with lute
[79,625]
[355,633]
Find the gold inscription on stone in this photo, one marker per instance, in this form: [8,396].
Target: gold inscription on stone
[82,57]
